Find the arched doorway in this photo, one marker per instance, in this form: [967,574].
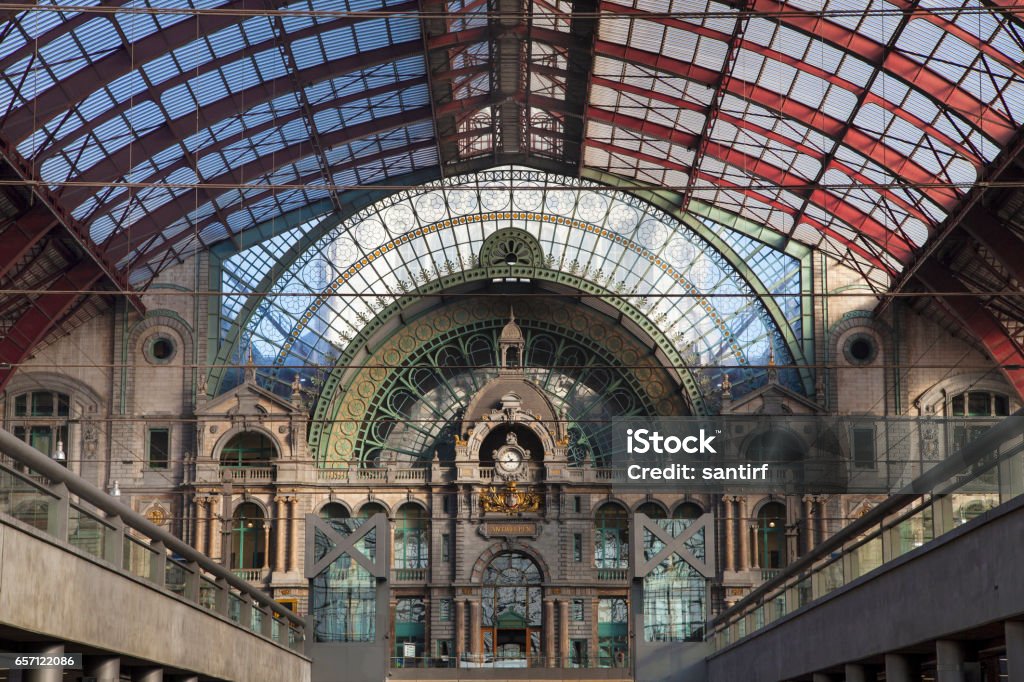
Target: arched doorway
[248,541]
[511,611]
[771,536]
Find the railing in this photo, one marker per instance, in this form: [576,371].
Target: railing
[242,474]
[770,574]
[358,475]
[512,661]
[617,574]
[409,574]
[253,575]
[937,502]
[104,528]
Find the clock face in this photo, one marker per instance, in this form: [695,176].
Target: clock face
[508,460]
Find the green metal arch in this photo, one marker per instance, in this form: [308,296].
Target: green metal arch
[659,198]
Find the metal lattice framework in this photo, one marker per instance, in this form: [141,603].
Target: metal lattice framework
[698,288]
[152,130]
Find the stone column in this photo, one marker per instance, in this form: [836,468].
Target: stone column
[293,554]
[899,668]
[102,668]
[744,536]
[266,546]
[280,535]
[563,639]
[730,562]
[949,661]
[755,557]
[856,673]
[1014,649]
[148,675]
[808,523]
[549,631]
[45,674]
[201,524]
[475,638]
[460,628]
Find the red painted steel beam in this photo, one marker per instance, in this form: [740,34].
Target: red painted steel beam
[971,312]
[869,257]
[172,132]
[752,126]
[990,231]
[757,167]
[899,164]
[44,315]
[255,131]
[73,227]
[22,234]
[831,77]
[311,178]
[79,85]
[993,122]
[122,242]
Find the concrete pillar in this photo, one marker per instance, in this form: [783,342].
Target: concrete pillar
[475,636]
[279,535]
[1014,649]
[899,668]
[856,673]
[549,631]
[147,675]
[808,523]
[563,638]
[949,661]
[55,674]
[730,557]
[102,668]
[460,628]
[744,536]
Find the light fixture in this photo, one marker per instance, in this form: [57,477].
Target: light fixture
[115,491]
[59,454]
[771,524]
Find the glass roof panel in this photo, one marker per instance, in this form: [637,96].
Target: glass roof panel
[623,244]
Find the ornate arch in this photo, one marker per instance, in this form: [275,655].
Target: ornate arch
[496,549]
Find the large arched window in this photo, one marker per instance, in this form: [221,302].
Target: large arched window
[511,610]
[611,536]
[687,511]
[248,539]
[40,418]
[771,536]
[248,449]
[411,537]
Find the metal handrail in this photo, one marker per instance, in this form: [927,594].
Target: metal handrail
[929,482]
[21,452]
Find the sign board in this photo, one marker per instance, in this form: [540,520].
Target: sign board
[409,650]
[510,528]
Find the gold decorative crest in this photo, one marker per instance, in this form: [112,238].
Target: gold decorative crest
[509,499]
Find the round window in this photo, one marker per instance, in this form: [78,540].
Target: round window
[860,349]
[160,349]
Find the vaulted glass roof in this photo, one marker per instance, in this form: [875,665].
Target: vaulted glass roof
[158,127]
[700,285]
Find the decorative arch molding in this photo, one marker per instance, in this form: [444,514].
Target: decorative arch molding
[656,502]
[345,413]
[328,502]
[252,312]
[495,549]
[133,350]
[226,437]
[937,394]
[388,510]
[415,502]
[259,504]
[34,380]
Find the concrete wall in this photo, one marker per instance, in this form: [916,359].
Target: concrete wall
[49,590]
[966,579]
